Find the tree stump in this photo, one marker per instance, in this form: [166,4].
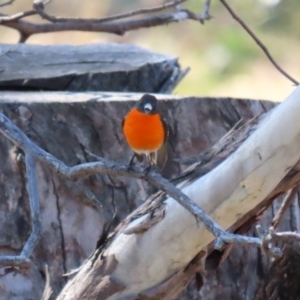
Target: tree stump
[67,123]
[104,67]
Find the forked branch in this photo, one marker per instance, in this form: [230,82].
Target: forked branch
[116,24]
[103,166]
[258,42]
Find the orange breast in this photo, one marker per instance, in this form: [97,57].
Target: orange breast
[143,132]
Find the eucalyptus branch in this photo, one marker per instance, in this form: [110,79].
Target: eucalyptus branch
[258,42]
[18,16]
[7,3]
[116,24]
[108,167]
[34,205]
[39,6]
[119,28]
[283,207]
[205,14]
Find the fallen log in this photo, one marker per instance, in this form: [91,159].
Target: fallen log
[69,234]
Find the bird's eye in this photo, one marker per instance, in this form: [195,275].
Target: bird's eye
[147,107]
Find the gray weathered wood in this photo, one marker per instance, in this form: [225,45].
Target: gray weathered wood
[64,124]
[247,274]
[96,67]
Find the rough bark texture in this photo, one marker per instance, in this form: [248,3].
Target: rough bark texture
[66,123]
[71,228]
[106,67]
[248,274]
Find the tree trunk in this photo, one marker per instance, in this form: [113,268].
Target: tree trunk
[66,123]
[247,274]
[104,67]
[156,263]
[71,228]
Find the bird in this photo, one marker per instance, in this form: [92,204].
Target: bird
[146,132]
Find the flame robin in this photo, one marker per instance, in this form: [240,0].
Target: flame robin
[146,132]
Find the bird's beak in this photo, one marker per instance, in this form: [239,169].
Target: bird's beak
[147,108]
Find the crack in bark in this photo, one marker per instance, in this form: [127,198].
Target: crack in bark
[113,204]
[21,165]
[63,249]
[293,215]
[40,138]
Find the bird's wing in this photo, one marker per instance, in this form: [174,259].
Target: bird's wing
[162,152]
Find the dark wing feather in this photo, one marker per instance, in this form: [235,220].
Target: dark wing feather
[162,152]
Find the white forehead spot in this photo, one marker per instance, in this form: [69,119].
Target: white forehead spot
[148,106]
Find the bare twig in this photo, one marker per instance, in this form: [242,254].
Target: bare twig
[119,28]
[34,205]
[108,24]
[7,3]
[23,37]
[105,166]
[258,42]
[267,244]
[38,5]
[205,15]
[14,261]
[47,290]
[15,17]
[283,207]
[274,237]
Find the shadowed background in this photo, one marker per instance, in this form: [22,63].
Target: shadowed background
[224,60]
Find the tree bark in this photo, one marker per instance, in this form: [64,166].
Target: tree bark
[150,264]
[101,67]
[247,274]
[71,228]
[64,124]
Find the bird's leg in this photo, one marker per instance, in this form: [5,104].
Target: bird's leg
[150,158]
[131,163]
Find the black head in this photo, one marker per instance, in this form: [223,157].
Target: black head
[147,104]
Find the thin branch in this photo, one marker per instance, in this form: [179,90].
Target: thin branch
[258,42]
[7,3]
[47,290]
[108,167]
[26,29]
[15,17]
[38,5]
[272,238]
[118,28]
[283,207]
[23,37]
[34,205]
[281,237]
[14,261]
[205,15]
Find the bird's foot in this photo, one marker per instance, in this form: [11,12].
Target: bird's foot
[150,168]
[131,163]
[130,167]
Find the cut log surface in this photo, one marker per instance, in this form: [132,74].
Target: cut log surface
[64,124]
[104,67]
